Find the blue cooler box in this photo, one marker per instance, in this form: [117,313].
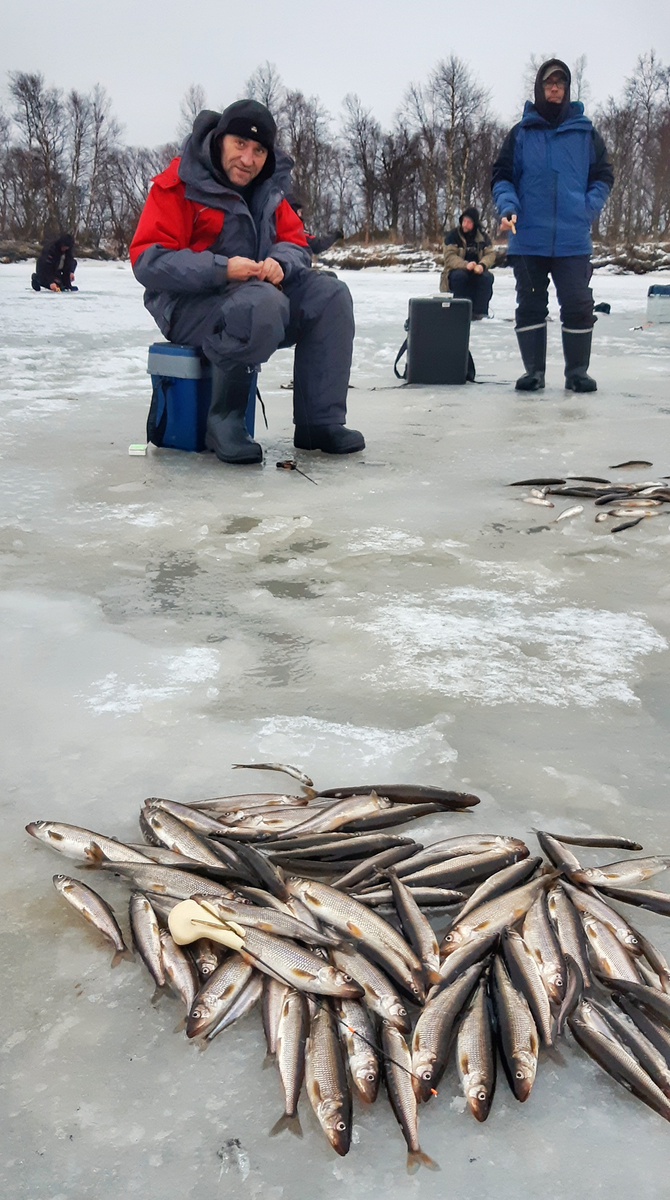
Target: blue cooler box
[182,391]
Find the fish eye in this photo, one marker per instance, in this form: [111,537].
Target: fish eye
[427,1075]
[371,1076]
[341,1126]
[449,938]
[481,1095]
[519,1075]
[348,978]
[415,989]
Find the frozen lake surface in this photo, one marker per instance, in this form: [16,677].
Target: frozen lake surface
[409,619]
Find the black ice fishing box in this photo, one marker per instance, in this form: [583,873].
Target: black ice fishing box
[438,337]
[181,380]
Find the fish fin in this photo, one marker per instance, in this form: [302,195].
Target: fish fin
[287,1121]
[95,855]
[180,1026]
[432,977]
[354,929]
[269,1060]
[120,954]
[416,1159]
[158,992]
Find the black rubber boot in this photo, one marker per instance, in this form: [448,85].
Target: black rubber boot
[226,432]
[533,347]
[577,354]
[34,282]
[332,439]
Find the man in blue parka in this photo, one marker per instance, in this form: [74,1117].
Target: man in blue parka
[550,181]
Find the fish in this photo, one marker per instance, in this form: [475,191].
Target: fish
[396,814]
[416,927]
[426,897]
[557,853]
[646,1053]
[269,920]
[291,1041]
[656,1033]
[179,970]
[574,511]
[168,858]
[332,847]
[283,768]
[499,883]
[226,804]
[359,1038]
[626,525]
[146,936]
[197,821]
[651,999]
[246,999]
[517,1034]
[471,952]
[588,902]
[573,994]
[525,975]
[342,912]
[166,881]
[82,845]
[656,960]
[571,936]
[535,482]
[217,994]
[207,956]
[266,872]
[457,847]
[604,840]
[632,462]
[615,1059]
[475,1053]
[399,1085]
[175,835]
[540,937]
[589,478]
[296,966]
[326,1079]
[658,902]
[494,916]
[274,994]
[601,516]
[341,813]
[95,910]
[622,874]
[536,500]
[367,868]
[432,1033]
[464,870]
[408,793]
[379,994]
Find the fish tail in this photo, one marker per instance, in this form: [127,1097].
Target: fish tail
[121,954]
[269,1061]
[432,977]
[416,1159]
[159,991]
[290,1121]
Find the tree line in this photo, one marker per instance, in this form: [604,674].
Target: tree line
[64,165]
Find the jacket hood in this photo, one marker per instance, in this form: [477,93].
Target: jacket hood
[553,114]
[199,155]
[573,118]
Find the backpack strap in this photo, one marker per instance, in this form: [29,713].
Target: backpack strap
[158,412]
[398,356]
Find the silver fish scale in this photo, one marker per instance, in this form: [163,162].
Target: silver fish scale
[612,957]
[233,970]
[169,881]
[174,834]
[335,903]
[441,1010]
[519,1016]
[323,1059]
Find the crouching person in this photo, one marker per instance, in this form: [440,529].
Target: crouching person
[468,255]
[226,267]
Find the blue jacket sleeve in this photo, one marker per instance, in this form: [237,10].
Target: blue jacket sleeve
[601,176]
[502,178]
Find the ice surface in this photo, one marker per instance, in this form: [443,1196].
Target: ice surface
[408,619]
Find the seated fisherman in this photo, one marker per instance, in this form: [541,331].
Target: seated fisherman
[56,266]
[468,254]
[226,267]
[316,242]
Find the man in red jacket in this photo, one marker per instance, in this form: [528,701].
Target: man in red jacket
[226,267]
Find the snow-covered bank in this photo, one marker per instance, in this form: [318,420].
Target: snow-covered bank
[635,259]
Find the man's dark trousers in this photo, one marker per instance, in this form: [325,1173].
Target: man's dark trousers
[468,285]
[571,276]
[246,322]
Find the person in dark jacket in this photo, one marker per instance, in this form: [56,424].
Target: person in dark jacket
[226,267]
[316,243]
[468,255]
[550,181]
[56,266]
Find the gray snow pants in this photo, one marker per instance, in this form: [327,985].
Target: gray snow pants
[247,322]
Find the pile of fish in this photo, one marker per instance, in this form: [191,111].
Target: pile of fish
[630,503]
[300,904]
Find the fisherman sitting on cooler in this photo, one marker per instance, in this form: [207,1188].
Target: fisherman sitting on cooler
[468,254]
[553,176]
[226,265]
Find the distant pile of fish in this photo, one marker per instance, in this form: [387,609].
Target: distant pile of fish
[349,995]
[630,501]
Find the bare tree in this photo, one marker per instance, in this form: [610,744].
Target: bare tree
[265,85]
[580,88]
[192,102]
[363,137]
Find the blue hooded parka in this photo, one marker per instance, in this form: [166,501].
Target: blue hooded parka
[556,177]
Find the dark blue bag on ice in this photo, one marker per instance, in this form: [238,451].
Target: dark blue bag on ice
[182,391]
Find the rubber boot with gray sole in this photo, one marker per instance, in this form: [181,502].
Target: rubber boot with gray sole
[577,355]
[533,346]
[227,434]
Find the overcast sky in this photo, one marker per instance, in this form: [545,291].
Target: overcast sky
[147,52]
